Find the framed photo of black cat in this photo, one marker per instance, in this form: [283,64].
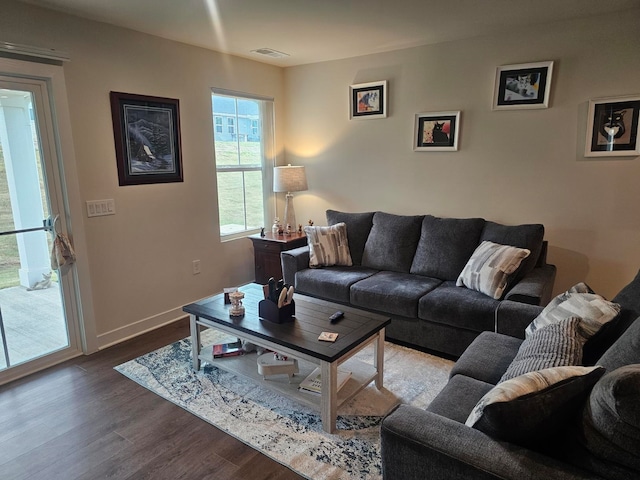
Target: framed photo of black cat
[436,132]
[522,86]
[368,100]
[613,127]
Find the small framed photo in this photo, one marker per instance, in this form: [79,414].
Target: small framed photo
[436,132]
[368,100]
[146,131]
[613,128]
[522,86]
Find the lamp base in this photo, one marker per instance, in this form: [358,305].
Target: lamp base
[289,213]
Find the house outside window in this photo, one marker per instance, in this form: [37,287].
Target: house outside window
[244,159]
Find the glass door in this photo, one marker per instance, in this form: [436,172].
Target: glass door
[33,320]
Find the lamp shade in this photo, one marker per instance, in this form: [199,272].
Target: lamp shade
[289,179]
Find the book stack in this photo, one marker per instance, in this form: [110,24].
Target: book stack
[232,349]
[313,382]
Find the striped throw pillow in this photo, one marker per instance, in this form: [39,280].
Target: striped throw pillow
[328,246]
[490,268]
[556,345]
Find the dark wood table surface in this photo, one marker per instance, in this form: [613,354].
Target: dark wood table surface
[311,318]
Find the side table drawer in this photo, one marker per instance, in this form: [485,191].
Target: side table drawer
[270,247]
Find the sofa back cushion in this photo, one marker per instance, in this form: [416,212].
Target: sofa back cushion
[611,418]
[528,236]
[358,228]
[392,242]
[629,300]
[625,351]
[445,246]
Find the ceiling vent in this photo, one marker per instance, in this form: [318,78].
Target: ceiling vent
[270,52]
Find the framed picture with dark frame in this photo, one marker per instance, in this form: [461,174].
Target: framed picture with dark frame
[436,132]
[368,100]
[523,86]
[613,127]
[147,138]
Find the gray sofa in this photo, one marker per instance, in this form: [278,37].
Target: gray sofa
[407,266]
[598,437]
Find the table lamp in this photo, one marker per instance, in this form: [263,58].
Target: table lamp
[289,179]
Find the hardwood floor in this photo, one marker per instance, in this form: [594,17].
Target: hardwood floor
[84,420]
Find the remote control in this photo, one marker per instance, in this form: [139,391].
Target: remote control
[336,316]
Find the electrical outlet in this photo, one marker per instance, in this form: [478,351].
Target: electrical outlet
[196,267]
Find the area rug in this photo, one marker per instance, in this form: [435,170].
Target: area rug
[284,429]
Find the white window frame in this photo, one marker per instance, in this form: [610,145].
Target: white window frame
[267,114]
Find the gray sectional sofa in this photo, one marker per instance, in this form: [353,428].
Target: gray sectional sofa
[406,266]
[596,435]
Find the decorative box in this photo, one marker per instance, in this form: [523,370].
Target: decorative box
[268,310]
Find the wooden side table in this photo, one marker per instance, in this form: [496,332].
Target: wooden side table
[267,253]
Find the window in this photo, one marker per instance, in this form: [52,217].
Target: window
[244,162]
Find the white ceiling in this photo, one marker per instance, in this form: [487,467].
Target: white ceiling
[320,30]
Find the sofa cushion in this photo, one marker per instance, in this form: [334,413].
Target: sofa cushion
[611,417]
[625,351]
[445,246]
[529,236]
[491,268]
[458,307]
[488,357]
[358,228]
[392,242]
[578,301]
[629,300]
[392,292]
[458,397]
[555,345]
[328,246]
[534,407]
[332,283]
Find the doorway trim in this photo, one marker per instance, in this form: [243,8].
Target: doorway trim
[80,309]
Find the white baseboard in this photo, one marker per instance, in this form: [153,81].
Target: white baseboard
[132,330]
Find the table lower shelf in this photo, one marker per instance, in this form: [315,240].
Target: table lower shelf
[362,374]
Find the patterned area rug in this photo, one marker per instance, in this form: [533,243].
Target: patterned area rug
[282,428]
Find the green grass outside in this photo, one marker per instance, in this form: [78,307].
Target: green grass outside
[231,203]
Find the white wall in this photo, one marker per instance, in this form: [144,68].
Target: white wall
[524,166]
[141,258]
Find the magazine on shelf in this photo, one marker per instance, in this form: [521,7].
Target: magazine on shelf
[221,350]
[313,382]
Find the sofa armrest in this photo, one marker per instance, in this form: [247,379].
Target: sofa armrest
[513,317]
[536,286]
[293,261]
[417,444]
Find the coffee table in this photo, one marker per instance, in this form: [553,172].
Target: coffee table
[298,339]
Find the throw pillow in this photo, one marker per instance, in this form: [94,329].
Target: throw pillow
[533,407]
[611,417]
[328,246]
[556,345]
[490,267]
[578,301]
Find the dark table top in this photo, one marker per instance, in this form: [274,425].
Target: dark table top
[311,318]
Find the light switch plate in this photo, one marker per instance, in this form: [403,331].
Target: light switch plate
[97,208]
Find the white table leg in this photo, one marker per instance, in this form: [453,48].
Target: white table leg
[378,359]
[195,342]
[329,399]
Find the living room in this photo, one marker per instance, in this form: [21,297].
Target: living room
[512,167]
